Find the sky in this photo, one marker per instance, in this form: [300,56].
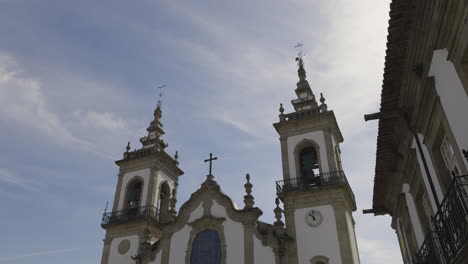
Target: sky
[78,81]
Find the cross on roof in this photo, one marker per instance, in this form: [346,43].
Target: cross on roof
[210,160]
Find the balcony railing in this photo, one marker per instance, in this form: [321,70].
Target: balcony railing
[451,222]
[143,212]
[427,253]
[320,180]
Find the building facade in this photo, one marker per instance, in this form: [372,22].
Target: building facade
[318,227]
[421,161]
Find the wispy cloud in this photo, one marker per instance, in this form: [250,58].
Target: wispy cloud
[37,254]
[22,100]
[228,120]
[9,177]
[103,120]
[378,251]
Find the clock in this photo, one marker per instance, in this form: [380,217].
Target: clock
[313,218]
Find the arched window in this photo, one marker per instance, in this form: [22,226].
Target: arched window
[164,197]
[308,163]
[134,194]
[206,248]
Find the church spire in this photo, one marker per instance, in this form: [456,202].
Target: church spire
[305,97]
[155,131]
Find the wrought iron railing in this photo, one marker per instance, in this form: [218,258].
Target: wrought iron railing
[427,253]
[143,212]
[451,220]
[320,180]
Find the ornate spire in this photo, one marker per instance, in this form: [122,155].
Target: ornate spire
[248,199]
[278,213]
[155,132]
[176,157]
[305,97]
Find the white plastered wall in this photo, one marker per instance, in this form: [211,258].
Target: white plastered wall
[413,213]
[179,241]
[317,241]
[432,171]
[234,234]
[318,138]
[352,237]
[127,177]
[115,257]
[262,254]
[452,96]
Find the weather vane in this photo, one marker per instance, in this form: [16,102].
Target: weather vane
[160,94]
[300,54]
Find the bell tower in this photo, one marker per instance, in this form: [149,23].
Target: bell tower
[145,197]
[318,201]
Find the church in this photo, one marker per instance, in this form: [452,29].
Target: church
[314,204]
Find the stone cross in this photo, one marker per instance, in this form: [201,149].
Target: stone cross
[210,160]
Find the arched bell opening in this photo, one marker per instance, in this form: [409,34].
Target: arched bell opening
[133,194]
[163,201]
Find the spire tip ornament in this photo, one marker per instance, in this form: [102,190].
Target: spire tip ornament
[248,198]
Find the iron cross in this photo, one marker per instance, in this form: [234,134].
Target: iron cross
[210,160]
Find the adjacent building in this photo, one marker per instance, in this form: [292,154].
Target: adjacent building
[421,162]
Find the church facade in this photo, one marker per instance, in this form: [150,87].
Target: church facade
[314,226]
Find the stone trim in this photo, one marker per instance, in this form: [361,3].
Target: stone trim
[201,224]
[332,162]
[106,250]
[284,157]
[118,190]
[151,182]
[210,190]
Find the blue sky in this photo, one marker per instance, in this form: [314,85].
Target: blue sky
[78,79]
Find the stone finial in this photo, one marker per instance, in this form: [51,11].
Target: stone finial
[158,113]
[323,106]
[278,213]
[281,116]
[128,147]
[173,202]
[248,199]
[176,157]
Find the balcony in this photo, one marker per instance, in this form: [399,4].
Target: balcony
[450,224]
[320,180]
[123,216]
[427,253]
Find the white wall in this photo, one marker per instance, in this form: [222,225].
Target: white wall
[234,234]
[114,255]
[179,243]
[317,241]
[432,171]
[262,254]
[352,237]
[319,139]
[144,174]
[418,233]
[452,95]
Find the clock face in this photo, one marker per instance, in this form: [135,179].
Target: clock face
[313,218]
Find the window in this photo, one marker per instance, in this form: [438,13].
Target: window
[308,163]
[206,248]
[134,194]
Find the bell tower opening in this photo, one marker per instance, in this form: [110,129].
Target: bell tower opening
[164,197]
[134,193]
[309,165]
